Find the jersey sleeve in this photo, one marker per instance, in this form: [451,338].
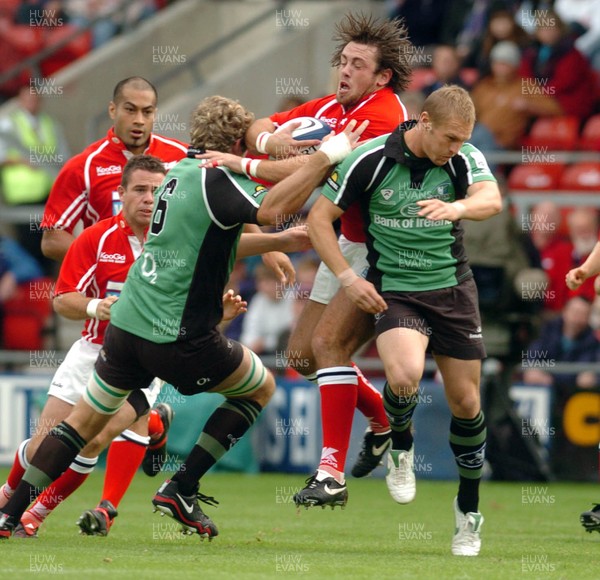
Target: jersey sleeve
[472,167]
[77,271]
[351,179]
[232,199]
[68,198]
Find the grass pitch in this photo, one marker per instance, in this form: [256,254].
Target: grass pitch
[531,531]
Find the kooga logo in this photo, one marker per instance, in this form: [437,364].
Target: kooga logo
[110,170]
[113,258]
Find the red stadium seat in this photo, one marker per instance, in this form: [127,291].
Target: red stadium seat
[25,317]
[582,176]
[590,135]
[536,177]
[560,133]
[75,49]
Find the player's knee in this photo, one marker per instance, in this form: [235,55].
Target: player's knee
[465,405]
[138,400]
[263,394]
[403,382]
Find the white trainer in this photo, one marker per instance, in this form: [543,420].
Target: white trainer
[466,541]
[400,476]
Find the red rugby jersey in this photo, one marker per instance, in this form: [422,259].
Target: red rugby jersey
[383,109]
[96,266]
[86,187]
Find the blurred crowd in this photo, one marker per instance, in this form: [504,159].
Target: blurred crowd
[29,26]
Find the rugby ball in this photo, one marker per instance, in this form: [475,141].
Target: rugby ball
[310,128]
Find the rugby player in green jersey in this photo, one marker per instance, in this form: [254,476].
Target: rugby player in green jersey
[414,186]
[165,321]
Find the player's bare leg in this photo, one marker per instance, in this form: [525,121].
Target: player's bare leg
[402,351]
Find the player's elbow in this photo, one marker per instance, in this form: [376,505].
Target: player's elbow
[496,205]
[49,247]
[269,215]
[53,244]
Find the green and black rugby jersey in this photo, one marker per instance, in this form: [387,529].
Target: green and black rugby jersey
[174,290]
[407,252]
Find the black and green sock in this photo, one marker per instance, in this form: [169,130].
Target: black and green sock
[399,411]
[224,427]
[467,441]
[54,455]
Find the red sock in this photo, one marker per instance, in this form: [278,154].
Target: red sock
[122,461]
[338,399]
[61,489]
[17,471]
[370,404]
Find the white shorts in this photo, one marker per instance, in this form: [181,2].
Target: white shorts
[72,376]
[326,284]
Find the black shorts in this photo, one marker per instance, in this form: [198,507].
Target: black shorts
[449,317]
[127,361]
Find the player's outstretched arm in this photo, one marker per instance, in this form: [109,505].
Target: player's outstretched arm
[76,306]
[265,169]
[577,276]
[233,305]
[261,138]
[324,239]
[290,240]
[289,195]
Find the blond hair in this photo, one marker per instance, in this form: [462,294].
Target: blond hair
[218,122]
[450,102]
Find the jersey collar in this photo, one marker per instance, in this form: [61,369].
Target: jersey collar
[118,144]
[396,148]
[123,225]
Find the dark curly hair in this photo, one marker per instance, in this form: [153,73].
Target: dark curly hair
[389,37]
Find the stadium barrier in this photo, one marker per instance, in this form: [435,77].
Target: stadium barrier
[287,437]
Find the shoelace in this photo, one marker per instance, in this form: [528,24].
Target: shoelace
[207,499]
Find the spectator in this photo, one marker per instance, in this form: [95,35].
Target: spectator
[16,267]
[500,264]
[109,16]
[270,313]
[501,27]
[423,18]
[8,287]
[33,148]
[543,224]
[557,260]
[552,66]
[40,11]
[583,16]
[500,125]
[23,265]
[446,66]
[568,338]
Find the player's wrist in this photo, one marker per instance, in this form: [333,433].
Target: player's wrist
[92,307]
[250,167]
[337,148]
[347,277]
[261,141]
[460,207]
